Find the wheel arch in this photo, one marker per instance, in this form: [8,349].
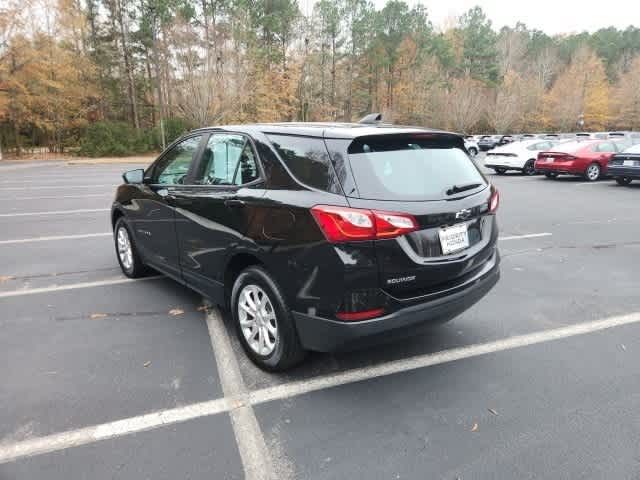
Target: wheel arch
[237,261]
[116,214]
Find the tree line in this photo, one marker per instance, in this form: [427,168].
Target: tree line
[105,75]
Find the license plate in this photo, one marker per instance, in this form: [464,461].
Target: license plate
[454,238]
[629,163]
[548,160]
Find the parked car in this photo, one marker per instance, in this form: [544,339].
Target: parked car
[471,145]
[584,136]
[624,167]
[315,236]
[587,158]
[487,142]
[520,156]
[549,136]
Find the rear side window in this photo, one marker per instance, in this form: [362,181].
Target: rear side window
[308,160]
[228,159]
[606,147]
[410,169]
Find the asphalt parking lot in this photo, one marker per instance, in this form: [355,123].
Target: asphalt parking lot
[103,377]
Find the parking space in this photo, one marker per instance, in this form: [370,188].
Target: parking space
[115,349]
[91,356]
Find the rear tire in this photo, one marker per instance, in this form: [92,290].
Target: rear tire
[551,175]
[529,168]
[623,180]
[473,152]
[264,323]
[592,173]
[500,171]
[127,252]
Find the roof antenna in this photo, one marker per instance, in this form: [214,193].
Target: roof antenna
[372,118]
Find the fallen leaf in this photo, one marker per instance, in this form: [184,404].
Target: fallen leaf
[4,278]
[146,364]
[474,428]
[492,411]
[95,316]
[176,311]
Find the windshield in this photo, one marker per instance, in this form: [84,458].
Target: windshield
[410,169]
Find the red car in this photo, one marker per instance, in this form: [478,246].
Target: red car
[585,158]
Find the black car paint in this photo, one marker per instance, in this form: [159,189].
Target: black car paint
[617,169]
[200,235]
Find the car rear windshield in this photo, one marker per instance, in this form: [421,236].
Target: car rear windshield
[411,169]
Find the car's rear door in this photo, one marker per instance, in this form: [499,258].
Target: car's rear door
[154,216]
[430,178]
[213,214]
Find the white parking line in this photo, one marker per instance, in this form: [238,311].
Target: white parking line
[529,235]
[54,212]
[256,461]
[54,197]
[73,438]
[74,286]
[57,237]
[42,187]
[84,436]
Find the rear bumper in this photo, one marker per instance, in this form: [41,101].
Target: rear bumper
[622,171]
[564,167]
[324,335]
[494,164]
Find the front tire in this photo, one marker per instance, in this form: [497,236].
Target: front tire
[500,171]
[593,172]
[551,175]
[529,168]
[264,323]
[473,152]
[126,251]
[623,181]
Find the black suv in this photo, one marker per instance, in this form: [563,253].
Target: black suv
[315,236]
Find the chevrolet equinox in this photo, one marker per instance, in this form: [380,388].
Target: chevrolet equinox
[316,236]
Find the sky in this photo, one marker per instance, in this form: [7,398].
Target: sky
[550,16]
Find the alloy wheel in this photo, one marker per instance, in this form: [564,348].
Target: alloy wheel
[593,172]
[125,253]
[257,320]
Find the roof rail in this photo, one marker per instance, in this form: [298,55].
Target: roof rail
[372,118]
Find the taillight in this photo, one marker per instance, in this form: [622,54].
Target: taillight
[344,224]
[494,200]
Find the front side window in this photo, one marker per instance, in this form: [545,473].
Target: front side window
[173,167]
[228,159]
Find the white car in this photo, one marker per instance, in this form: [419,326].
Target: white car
[519,156]
[471,145]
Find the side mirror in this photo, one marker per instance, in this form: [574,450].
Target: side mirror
[134,176]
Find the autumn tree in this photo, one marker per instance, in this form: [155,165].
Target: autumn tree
[581,91]
[627,98]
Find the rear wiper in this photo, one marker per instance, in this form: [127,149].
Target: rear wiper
[462,188]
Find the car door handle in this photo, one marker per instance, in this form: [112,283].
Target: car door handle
[234,202]
[164,193]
